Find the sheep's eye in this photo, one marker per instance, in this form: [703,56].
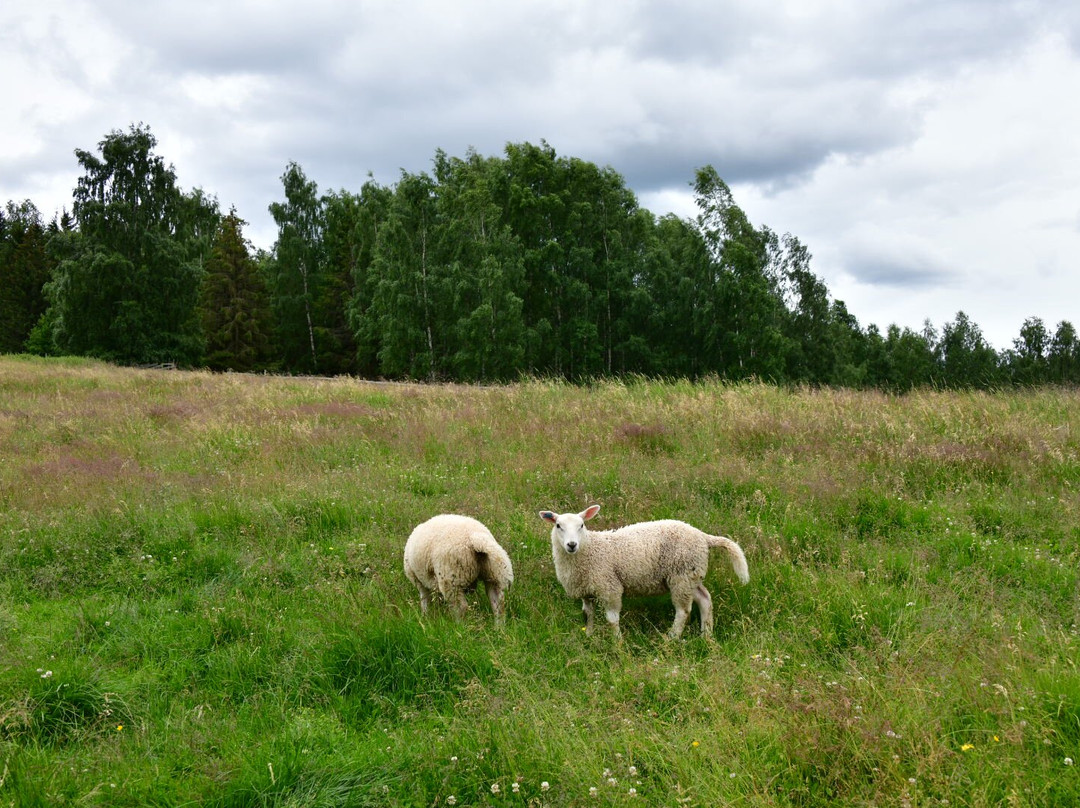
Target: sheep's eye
[559,527]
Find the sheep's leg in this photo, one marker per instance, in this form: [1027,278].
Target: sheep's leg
[682,596]
[704,601]
[613,621]
[425,593]
[589,608]
[425,598]
[495,597]
[612,608]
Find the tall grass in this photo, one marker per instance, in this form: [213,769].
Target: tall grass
[201,596]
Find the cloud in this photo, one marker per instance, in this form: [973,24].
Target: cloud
[912,146]
[882,257]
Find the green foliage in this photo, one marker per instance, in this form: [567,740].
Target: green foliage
[410,303]
[297,270]
[234,303]
[24,270]
[353,226]
[127,279]
[489,269]
[967,361]
[1064,358]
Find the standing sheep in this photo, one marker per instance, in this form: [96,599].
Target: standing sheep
[451,553]
[648,558]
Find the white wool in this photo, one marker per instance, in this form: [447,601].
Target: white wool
[450,554]
[648,558]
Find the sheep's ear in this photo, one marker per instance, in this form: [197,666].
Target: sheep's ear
[590,512]
[548,516]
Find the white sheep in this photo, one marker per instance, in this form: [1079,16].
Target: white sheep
[451,553]
[648,558]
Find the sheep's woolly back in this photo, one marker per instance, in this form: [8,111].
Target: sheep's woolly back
[450,553]
[639,559]
[675,541]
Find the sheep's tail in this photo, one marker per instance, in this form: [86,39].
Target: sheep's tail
[735,553]
[498,562]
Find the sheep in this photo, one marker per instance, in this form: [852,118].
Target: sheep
[648,558]
[451,553]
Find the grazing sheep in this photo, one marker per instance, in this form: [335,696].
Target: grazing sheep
[451,553]
[648,558]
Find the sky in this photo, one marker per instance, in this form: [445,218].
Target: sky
[926,152]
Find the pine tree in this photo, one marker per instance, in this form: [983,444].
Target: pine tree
[234,302]
[24,269]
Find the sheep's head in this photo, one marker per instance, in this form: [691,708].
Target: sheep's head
[569,532]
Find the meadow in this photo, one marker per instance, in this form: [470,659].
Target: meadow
[202,599]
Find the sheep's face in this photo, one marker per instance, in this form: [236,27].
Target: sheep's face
[569,533]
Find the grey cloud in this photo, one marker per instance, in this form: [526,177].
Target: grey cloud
[896,268]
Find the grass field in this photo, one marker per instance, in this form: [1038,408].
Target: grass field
[202,601]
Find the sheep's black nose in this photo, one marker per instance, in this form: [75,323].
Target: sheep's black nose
[571,546]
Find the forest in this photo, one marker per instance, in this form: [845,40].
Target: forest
[485,269]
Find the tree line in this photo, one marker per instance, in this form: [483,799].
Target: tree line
[483,269]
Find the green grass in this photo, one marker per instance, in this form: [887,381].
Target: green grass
[202,601]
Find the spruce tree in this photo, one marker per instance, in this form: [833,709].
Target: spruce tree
[24,270]
[234,302]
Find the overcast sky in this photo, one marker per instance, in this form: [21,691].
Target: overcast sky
[926,152]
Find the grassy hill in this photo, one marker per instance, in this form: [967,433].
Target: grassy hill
[202,601]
